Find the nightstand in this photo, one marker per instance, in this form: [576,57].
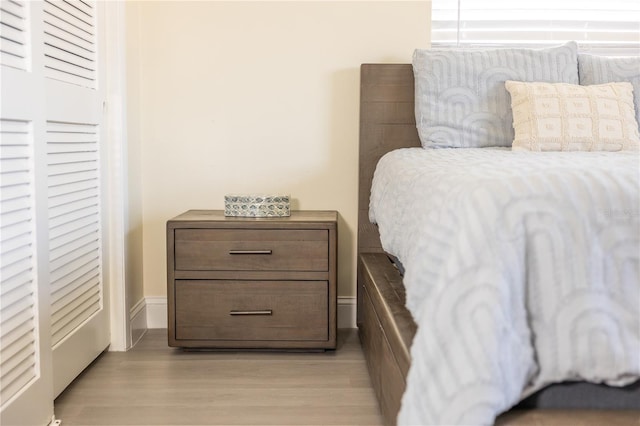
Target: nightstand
[235,282]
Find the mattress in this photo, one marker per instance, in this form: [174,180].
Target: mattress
[522,270]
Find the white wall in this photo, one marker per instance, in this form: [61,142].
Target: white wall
[256,97]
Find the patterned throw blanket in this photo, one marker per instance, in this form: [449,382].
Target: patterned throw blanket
[522,269]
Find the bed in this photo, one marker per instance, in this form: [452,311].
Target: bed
[386,327]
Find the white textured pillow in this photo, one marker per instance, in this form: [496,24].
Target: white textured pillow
[568,117]
[461,101]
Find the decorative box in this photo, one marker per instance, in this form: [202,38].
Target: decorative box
[257,205]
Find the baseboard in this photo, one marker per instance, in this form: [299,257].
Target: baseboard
[138,321]
[156,311]
[156,307]
[346,312]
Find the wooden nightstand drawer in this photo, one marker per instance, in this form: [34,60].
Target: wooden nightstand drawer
[251,250]
[251,310]
[266,283]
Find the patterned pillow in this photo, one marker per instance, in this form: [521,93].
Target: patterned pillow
[461,101]
[568,117]
[601,69]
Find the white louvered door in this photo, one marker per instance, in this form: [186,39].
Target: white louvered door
[74,152]
[26,378]
[54,313]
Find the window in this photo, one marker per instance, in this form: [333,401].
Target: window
[607,27]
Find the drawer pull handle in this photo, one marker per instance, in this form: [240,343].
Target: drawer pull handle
[259,312]
[249,251]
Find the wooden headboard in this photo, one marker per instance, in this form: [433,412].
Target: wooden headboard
[387,122]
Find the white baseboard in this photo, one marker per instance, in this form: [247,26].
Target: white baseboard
[156,311]
[138,321]
[156,307]
[346,312]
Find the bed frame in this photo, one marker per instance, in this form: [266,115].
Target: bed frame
[385,326]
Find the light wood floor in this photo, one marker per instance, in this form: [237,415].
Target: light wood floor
[157,385]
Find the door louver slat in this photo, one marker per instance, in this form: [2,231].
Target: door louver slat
[69,42]
[17,267]
[13,34]
[75,261]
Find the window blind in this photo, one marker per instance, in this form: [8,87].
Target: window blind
[608,27]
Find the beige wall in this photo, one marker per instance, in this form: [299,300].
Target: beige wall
[133,243]
[257,97]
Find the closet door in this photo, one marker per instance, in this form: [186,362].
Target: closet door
[75,152]
[53,309]
[26,379]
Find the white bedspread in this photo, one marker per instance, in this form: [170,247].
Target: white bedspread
[522,269]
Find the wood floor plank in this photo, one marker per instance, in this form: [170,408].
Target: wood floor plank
[157,385]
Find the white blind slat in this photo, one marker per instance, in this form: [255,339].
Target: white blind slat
[601,27]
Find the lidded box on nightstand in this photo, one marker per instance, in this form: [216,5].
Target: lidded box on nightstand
[257,205]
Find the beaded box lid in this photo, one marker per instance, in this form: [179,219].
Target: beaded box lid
[257,205]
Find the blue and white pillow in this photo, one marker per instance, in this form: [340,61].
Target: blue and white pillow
[602,69]
[461,100]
